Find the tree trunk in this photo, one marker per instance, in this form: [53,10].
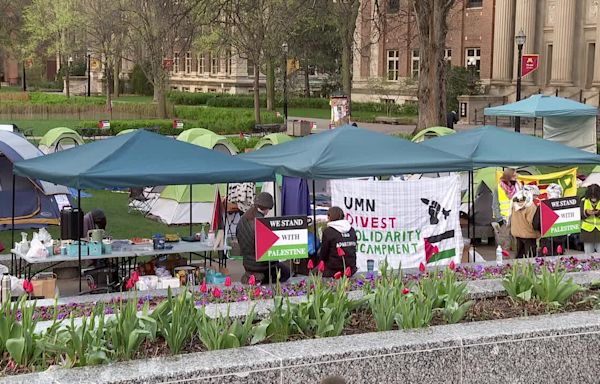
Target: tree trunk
[107,81]
[256,94]
[68,80]
[306,81]
[432,24]
[270,85]
[116,71]
[347,68]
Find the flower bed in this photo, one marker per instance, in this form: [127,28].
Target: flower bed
[239,293]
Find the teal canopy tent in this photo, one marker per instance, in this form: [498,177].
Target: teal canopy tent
[139,159]
[490,146]
[354,152]
[565,121]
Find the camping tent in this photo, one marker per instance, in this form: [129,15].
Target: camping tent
[126,131]
[190,134]
[273,139]
[58,139]
[432,132]
[173,204]
[37,202]
[565,121]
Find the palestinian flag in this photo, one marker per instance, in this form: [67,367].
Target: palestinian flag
[434,247]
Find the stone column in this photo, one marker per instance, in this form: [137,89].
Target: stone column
[503,41]
[596,81]
[525,20]
[562,51]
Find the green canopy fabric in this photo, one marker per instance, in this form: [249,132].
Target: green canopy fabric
[432,132]
[191,134]
[490,146]
[140,159]
[54,135]
[542,106]
[273,139]
[354,152]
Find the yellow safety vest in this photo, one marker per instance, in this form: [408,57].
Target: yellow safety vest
[590,223]
[504,203]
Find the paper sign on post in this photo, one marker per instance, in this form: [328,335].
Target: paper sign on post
[560,217]
[281,238]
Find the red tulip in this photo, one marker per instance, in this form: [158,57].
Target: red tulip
[11,365]
[216,293]
[422,267]
[340,252]
[228,281]
[257,292]
[27,286]
[405,291]
[545,251]
[321,266]
[348,272]
[452,265]
[203,287]
[135,277]
[310,264]
[252,280]
[505,253]
[559,249]
[129,284]
[338,275]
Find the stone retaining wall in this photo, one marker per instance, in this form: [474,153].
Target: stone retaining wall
[543,349]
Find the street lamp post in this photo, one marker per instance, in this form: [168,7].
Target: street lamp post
[520,40]
[24,78]
[89,72]
[284,46]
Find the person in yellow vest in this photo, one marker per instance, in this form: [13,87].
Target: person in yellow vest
[508,186]
[590,224]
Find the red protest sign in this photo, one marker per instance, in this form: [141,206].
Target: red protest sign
[529,63]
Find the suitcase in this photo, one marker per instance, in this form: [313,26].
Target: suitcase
[68,224]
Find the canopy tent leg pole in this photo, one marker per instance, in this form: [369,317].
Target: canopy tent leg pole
[79,233]
[534,126]
[13,264]
[314,201]
[191,230]
[469,206]
[473,209]
[225,225]
[274,214]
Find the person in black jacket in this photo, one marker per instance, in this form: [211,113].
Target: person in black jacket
[338,245]
[245,234]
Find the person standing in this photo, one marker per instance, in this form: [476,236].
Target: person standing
[451,119]
[338,244]
[590,224]
[96,219]
[508,186]
[521,224]
[245,234]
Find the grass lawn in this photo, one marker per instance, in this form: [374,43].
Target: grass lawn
[120,224]
[40,127]
[361,116]
[10,89]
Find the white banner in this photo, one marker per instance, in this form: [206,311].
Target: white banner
[409,222]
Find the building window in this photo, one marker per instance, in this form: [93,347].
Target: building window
[474,3]
[448,55]
[201,67]
[392,64]
[185,89]
[473,58]
[188,62]
[250,68]
[415,63]
[228,62]
[393,6]
[214,64]
[176,62]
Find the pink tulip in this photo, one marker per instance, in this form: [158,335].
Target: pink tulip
[252,280]
[321,266]
[559,249]
[216,292]
[422,267]
[228,281]
[348,272]
[405,291]
[340,252]
[338,275]
[452,265]
[203,287]
[310,264]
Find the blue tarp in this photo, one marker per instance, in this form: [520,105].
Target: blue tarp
[490,146]
[139,159]
[542,106]
[354,152]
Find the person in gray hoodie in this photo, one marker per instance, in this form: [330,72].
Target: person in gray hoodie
[338,245]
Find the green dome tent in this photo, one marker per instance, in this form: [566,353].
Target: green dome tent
[58,139]
[432,132]
[173,205]
[191,134]
[273,139]
[126,131]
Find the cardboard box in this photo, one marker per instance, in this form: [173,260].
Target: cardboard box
[44,286]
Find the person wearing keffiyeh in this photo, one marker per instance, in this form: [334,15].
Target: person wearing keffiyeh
[522,212]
